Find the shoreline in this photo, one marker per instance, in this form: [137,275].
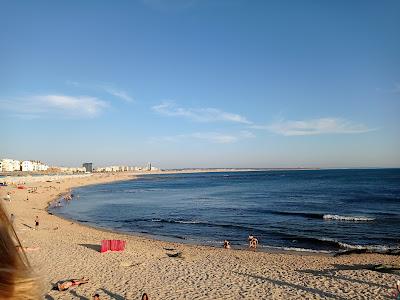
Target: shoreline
[70,249]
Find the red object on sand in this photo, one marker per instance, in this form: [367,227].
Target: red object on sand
[112,245]
[21,187]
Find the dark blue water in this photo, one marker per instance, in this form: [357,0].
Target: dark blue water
[324,210]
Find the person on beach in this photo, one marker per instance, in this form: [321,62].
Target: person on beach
[16,278]
[227,245]
[8,197]
[250,239]
[36,223]
[12,219]
[253,242]
[145,297]
[397,290]
[26,249]
[96,297]
[69,283]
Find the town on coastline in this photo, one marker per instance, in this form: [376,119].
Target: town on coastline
[15,167]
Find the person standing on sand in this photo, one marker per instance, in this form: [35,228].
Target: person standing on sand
[253,242]
[250,238]
[36,223]
[12,219]
[227,245]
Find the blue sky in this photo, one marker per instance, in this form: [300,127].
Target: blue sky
[190,83]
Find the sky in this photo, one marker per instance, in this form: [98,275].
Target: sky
[201,83]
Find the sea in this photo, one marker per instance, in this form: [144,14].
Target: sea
[299,210]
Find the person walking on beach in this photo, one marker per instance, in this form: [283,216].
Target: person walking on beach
[8,197]
[12,219]
[36,223]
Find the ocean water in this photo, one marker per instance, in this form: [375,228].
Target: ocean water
[314,210]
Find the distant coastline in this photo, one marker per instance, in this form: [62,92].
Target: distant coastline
[191,170]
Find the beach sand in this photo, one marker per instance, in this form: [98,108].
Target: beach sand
[69,250]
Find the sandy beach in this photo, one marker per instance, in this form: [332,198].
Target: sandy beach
[69,250]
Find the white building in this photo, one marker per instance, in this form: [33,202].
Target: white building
[150,167]
[73,170]
[42,167]
[39,166]
[26,166]
[10,165]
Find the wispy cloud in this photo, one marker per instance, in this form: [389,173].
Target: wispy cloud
[117,93]
[61,105]
[108,88]
[212,137]
[314,127]
[198,114]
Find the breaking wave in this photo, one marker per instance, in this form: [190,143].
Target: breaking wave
[325,216]
[348,218]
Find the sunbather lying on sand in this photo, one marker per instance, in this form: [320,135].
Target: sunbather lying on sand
[74,282]
[26,249]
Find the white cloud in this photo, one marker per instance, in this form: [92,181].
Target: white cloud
[108,88]
[199,114]
[314,127]
[118,93]
[58,105]
[212,137]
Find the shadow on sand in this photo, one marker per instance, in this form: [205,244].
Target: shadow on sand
[112,295]
[74,293]
[282,283]
[331,273]
[92,247]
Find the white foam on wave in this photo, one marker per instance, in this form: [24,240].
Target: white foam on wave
[348,218]
[176,221]
[361,247]
[296,249]
[187,222]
